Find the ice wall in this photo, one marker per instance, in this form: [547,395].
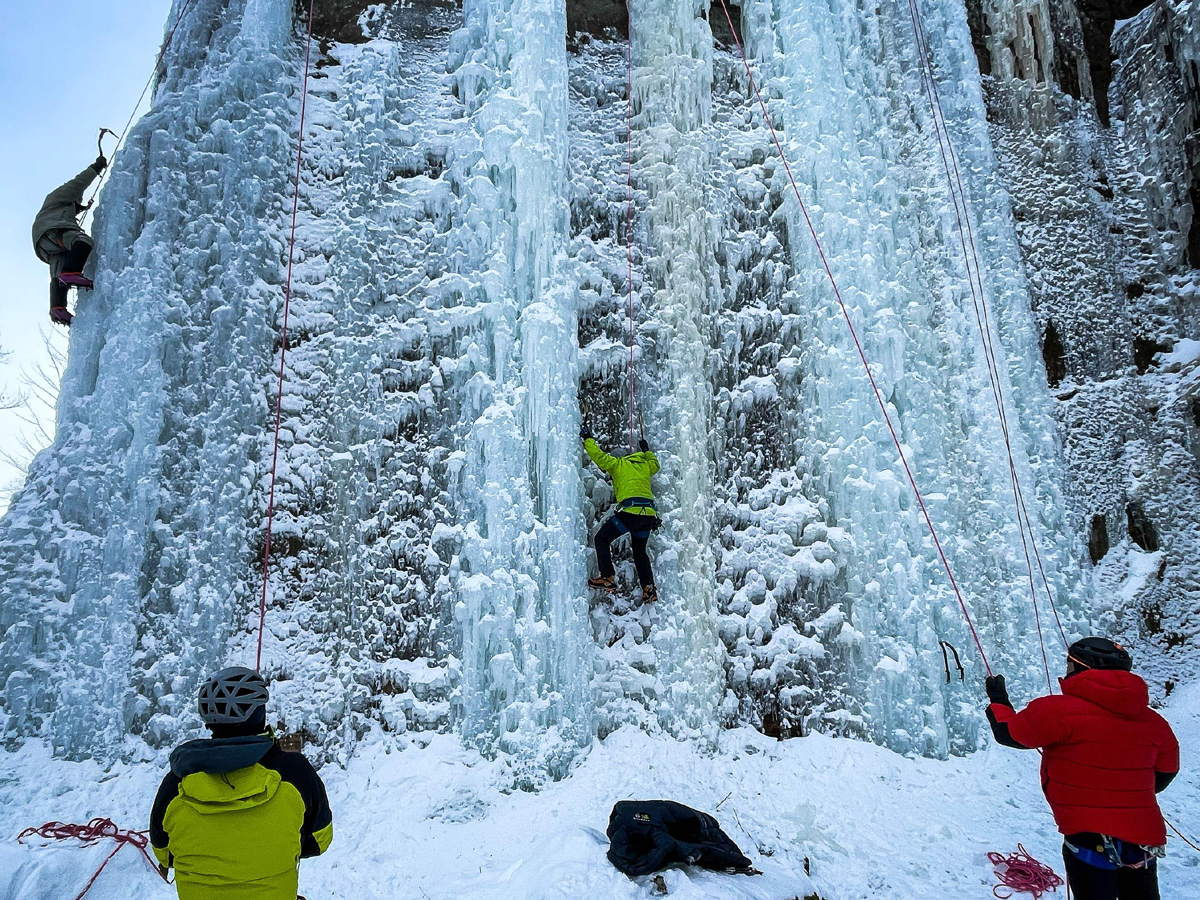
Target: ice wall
[672,55]
[460,290]
[1105,217]
[520,568]
[865,156]
[135,522]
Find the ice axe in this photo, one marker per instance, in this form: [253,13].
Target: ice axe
[81,207]
[957,661]
[100,140]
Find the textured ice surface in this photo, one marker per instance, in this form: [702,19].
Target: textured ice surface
[460,289]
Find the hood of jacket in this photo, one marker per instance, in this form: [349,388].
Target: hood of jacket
[221,775]
[641,458]
[217,756]
[1121,693]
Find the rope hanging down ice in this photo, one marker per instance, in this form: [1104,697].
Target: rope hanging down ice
[287,303]
[974,270]
[887,419]
[629,212]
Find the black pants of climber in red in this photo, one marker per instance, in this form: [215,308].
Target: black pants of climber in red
[1093,883]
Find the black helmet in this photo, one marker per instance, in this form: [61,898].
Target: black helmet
[232,696]
[1100,653]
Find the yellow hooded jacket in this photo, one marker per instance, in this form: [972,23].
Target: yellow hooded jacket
[630,477]
[235,815]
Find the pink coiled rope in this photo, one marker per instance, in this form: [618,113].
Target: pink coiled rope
[1020,873]
[95,830]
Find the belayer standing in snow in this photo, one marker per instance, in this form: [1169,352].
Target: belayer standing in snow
[235,814]
[1105,756]
[59,241]
[635,513]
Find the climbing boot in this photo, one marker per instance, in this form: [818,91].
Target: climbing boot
[649,594]
[60,315]
[605,583]
[76,279]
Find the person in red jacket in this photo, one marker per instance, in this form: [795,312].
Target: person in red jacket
[1106,755]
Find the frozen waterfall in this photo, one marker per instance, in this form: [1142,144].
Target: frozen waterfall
[460,288]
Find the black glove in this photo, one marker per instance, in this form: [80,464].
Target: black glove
[996,690]
[100,164]
[643,446]
[585,431]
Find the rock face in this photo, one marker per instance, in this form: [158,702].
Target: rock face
[1106,221]
[1099,18]
[499,236]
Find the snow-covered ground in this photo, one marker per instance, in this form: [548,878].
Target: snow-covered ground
[432,820]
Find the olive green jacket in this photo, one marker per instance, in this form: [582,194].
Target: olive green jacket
[630,477]
[61,207]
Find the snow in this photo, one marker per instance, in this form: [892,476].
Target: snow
[423,818]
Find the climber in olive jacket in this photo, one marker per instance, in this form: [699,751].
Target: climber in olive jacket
[59,242]
[635,513]
[235,814]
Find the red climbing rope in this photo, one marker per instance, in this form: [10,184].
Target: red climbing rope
[1179,834]
[149,81]
[96,830]
[858,346]
[971,260]
[287,303]
[1020,873]
[629,209]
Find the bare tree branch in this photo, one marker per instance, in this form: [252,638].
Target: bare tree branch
[33,408]
[8,399]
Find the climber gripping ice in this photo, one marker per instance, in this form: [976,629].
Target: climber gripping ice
[1105,756]
[635,515]
[236,813]
[60,241]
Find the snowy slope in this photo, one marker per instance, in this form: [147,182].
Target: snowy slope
[434,821]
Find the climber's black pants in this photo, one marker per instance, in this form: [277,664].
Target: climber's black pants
[1092,883]
[638,528]
[64,250]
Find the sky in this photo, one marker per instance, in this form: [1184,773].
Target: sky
[55,100]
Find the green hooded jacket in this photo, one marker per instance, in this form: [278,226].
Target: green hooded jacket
[630,477]
[61,207]
[235,815]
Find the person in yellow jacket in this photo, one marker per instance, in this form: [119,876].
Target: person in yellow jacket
[635,513]
[235,814]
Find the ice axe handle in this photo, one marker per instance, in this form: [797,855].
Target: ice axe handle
[100,139]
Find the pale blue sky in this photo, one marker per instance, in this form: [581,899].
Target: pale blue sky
[67,68]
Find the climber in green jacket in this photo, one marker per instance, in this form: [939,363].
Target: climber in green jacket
[635,513]
[236,813]
[59,242]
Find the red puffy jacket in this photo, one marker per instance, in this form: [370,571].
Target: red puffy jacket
[1103,745]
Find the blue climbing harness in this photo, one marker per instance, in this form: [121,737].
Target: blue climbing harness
[1117,854]
[634,503]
